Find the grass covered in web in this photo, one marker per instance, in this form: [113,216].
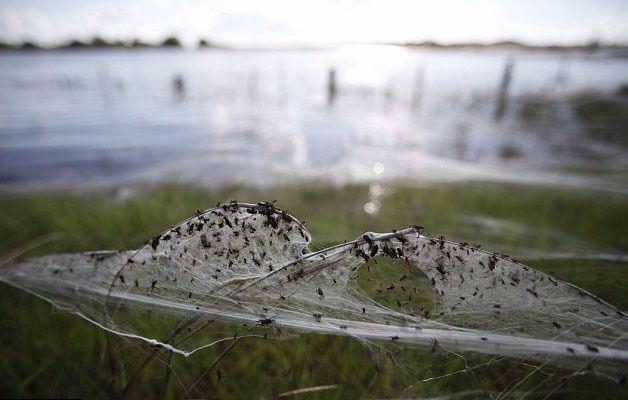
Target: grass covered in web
[564,220]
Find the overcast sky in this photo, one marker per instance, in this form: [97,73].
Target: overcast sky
[285,22]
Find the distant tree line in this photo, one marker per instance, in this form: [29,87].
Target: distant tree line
[100,43]
[174,42]
[593,44]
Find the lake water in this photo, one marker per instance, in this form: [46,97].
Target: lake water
[89,118]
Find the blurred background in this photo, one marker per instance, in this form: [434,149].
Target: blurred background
[97,93]
[503,123]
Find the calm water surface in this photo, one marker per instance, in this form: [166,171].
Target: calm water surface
[108,117]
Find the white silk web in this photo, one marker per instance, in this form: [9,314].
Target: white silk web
[250,263]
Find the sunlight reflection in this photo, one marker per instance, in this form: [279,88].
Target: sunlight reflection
[378,168]
[372,207]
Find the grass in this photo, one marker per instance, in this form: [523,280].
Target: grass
[605,118]
[602,117]
[47,353]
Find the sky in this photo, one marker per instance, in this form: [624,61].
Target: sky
[296,22]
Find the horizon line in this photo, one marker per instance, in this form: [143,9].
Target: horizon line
[173,41]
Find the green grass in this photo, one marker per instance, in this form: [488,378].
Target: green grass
[604,118]
[52,354]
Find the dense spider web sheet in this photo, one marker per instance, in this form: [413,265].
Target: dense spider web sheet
[250,263]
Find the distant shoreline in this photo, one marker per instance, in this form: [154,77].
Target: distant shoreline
[98,43]
[174,43]
[513,45]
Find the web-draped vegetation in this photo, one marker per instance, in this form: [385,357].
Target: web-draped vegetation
[251,264]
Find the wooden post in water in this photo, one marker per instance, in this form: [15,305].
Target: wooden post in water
[562,71]
[178,86]
[332,88]
[417,92]
[502,96]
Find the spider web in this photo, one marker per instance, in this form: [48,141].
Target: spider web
[250,264]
